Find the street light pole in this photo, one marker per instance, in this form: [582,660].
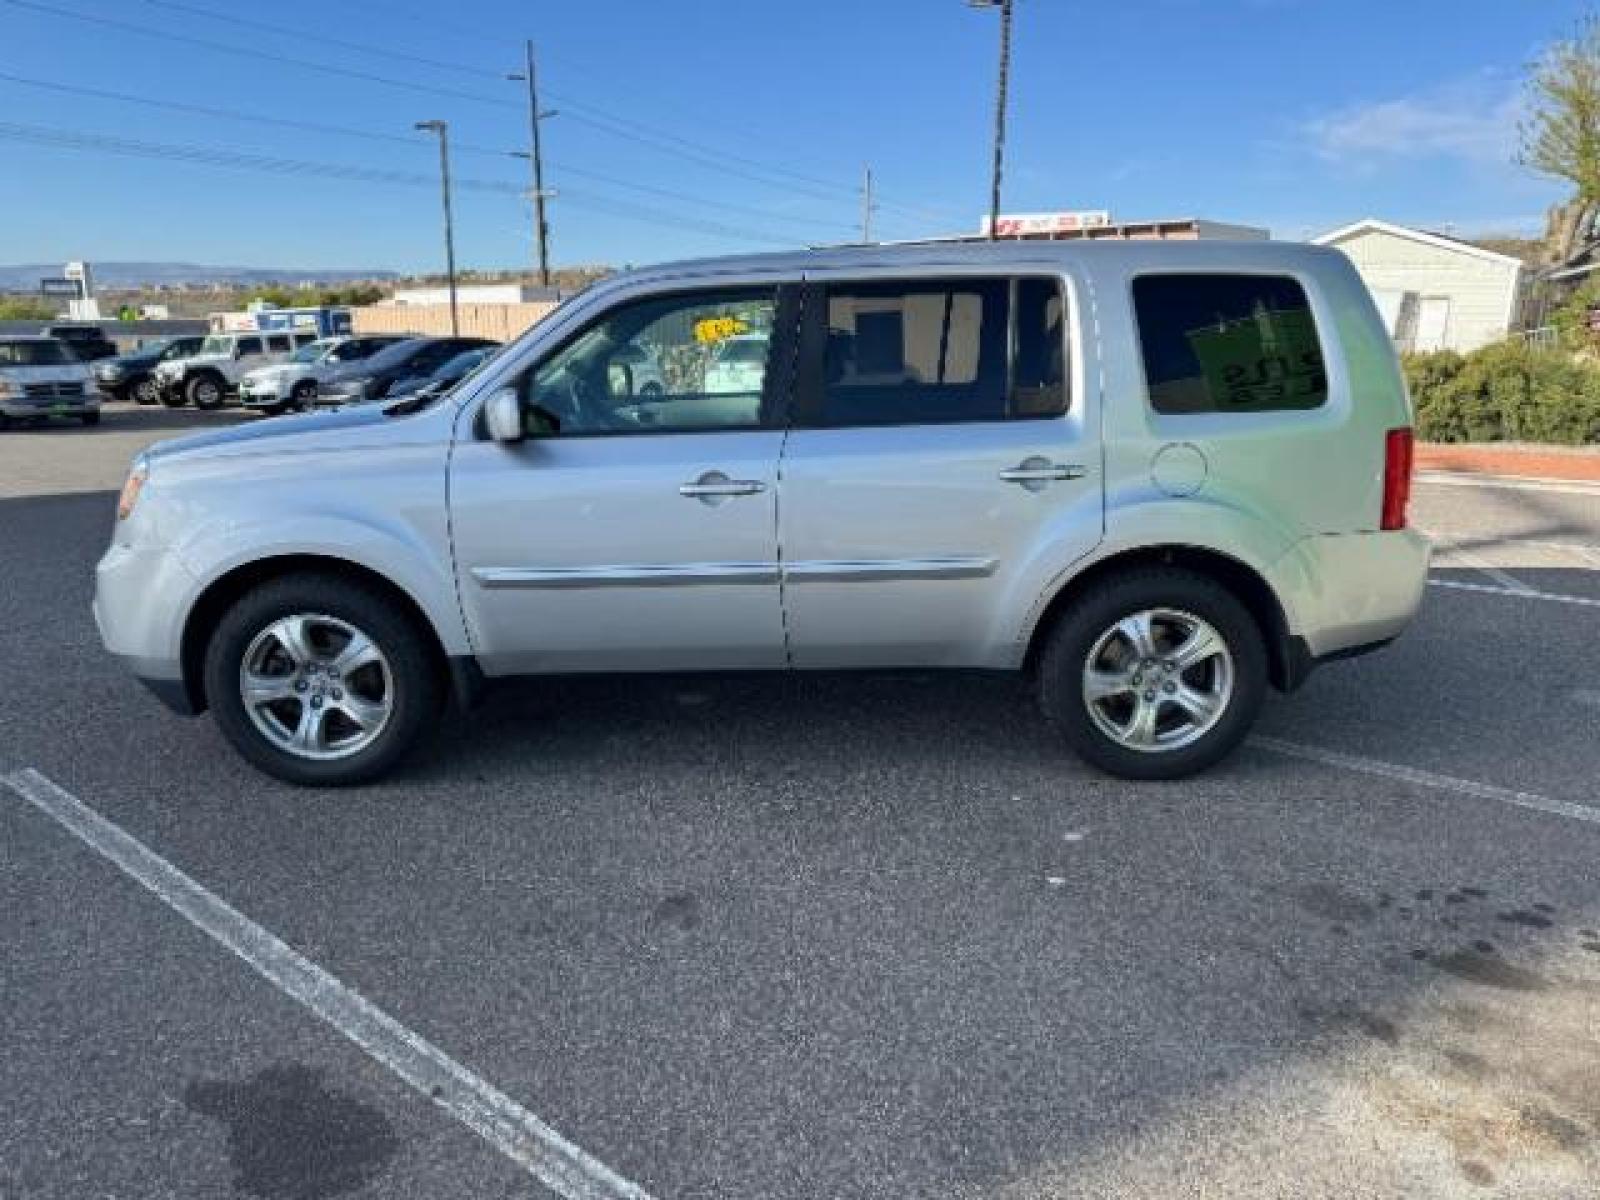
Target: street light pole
[999,107]
[442,128]
[541,227]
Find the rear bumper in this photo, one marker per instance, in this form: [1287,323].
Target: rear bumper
[1345,593]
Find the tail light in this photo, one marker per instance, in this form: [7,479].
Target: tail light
[1397,445]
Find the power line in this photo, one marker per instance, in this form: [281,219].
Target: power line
[252,52]
[581,112]
[207,156]
[409,141]
[322,38]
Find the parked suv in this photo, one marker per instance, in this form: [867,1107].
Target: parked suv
[206,378]
[132,376]
[373,378]
[39,378]
[1160,478]
[292,384]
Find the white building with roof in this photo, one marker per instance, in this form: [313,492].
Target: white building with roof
[1435,292]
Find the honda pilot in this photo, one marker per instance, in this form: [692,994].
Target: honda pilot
[1160,479]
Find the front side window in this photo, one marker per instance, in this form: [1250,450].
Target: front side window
[1229,344]
[217,345]
[697,361]
[249,346]
[937,351]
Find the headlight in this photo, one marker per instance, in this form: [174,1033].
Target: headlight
[110,371]
[10,387]
[131,489]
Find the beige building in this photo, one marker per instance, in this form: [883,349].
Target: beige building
[1435,292]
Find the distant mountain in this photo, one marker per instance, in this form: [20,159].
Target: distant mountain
[25,277]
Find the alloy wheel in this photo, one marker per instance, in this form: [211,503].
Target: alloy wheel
[1158,680]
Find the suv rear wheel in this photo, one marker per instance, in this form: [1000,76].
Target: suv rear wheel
[321,681]
[1154,674]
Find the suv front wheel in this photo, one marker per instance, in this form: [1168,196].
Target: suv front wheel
[320,680]
[204,391]
[1154,674]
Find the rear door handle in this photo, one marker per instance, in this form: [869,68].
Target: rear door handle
[1042,470]
[714,485]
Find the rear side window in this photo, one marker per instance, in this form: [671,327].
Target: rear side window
[278,342]
[938,351]
[1229,344]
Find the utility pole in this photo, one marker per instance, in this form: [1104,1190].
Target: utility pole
[867,206]
[541,227]
[999,107]
[442,128]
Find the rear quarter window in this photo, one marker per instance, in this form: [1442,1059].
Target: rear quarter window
[1222,343]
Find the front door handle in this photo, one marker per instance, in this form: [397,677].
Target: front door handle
[1038,471]
[714,485]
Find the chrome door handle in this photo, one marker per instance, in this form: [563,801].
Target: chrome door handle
[714,484]
[1038,470]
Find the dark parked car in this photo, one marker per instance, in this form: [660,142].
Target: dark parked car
[88,343]
[372,378]
[132,376]
[447,376]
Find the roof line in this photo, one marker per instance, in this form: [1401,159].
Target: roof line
[1416,235]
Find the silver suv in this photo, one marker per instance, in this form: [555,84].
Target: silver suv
[1159,478]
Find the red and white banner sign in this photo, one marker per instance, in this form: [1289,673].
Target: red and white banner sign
[1022,224]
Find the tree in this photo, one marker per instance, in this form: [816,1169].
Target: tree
[1561,137]
[26,308]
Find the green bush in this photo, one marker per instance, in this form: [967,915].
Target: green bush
[1505,392]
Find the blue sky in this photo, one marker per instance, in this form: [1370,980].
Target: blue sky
[1295,114]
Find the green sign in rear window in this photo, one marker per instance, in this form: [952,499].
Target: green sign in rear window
[1229,343]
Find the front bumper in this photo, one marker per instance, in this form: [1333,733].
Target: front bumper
[140,598]
[50,406]
[262,394]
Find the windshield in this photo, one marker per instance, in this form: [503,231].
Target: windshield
[39,353]
[179,348]
[311,352]
[217,345]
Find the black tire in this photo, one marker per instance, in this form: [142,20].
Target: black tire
[304,396]
[142,391]
[415,676]
[205,392]
[175,397]
[1065,657]
[90,418]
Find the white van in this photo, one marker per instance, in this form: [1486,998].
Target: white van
[40,377]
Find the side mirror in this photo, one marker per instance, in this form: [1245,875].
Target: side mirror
[502,416]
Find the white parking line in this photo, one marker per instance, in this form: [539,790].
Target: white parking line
[564,1168]
[1519,592]
[1428,779]
[1466,558]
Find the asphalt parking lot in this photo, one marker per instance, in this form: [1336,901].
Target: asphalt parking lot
[813,937]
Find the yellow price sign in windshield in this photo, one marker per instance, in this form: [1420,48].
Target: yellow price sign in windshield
[719,329]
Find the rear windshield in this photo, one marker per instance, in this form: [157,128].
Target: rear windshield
[1229,344]
[35,354]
